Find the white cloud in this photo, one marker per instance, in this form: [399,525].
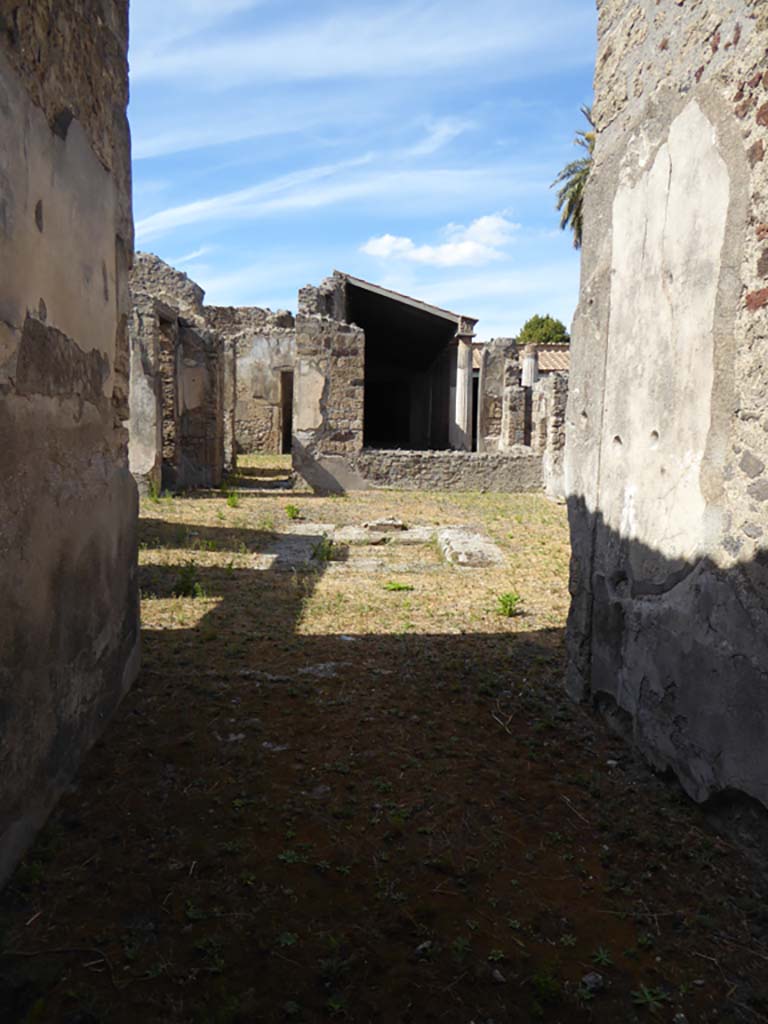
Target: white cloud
[403,38]
[191,257]
[483,241]
[172,21]
[440,134]
[354,181]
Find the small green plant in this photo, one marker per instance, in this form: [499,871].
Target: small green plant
[396,587]
[187,582]
[287,939]
[233,499]
[292,511]
[508,604]
[153,492]
[601,957]
[650,998]
[323,550]
[496,955]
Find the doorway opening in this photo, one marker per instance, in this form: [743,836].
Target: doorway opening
[286,411]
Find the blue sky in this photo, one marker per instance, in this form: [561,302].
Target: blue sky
[409,142]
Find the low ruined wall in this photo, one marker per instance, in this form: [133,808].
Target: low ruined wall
[69,640]
[667,428]
[450,471]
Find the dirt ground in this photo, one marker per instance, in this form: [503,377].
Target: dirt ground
[348,786]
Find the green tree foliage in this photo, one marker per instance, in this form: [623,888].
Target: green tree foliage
[572,180]
[543,330]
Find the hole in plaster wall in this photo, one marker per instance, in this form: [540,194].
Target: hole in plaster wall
[617,442]
[654,439]
[39,215]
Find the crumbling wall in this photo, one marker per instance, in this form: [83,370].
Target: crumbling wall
[494,360]
[183,383]
[548,403]
[329,398]
[152,276]
[69,640]
[264,345]
[667,430]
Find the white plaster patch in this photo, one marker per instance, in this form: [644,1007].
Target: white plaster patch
[668,234]
[310,384]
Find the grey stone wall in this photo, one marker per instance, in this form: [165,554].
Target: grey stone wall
[152,276]
[499,358]
[69,638]
[183,383]
[514,471]
[328,401]
[264,345]
[667,427]
[548,404]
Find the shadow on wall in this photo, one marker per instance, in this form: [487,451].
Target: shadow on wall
[674,653]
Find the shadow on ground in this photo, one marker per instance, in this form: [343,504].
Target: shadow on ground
[285,826]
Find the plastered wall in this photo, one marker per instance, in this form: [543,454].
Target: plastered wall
[667,425]
[69,640]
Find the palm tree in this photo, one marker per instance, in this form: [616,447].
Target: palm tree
[573,178]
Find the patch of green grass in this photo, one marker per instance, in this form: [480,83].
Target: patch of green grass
[394,586]
[292,511]
[508,604]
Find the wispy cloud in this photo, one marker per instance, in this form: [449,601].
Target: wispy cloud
[403,38]
[192,256]
[159,25]
[439,134]
[257,200]
[483,241]
[404,189]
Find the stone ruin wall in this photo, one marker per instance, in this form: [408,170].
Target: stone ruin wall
[667,425]
[329,391]
[182,383]
[69,634]
[511,472]
[513,419]
[264,345]
[329,403]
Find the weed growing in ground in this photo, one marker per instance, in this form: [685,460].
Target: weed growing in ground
[188,582]
[395,587]
[233,499]
[650,998]
[292,511]
[508,604]
[601,957]
[323,550]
